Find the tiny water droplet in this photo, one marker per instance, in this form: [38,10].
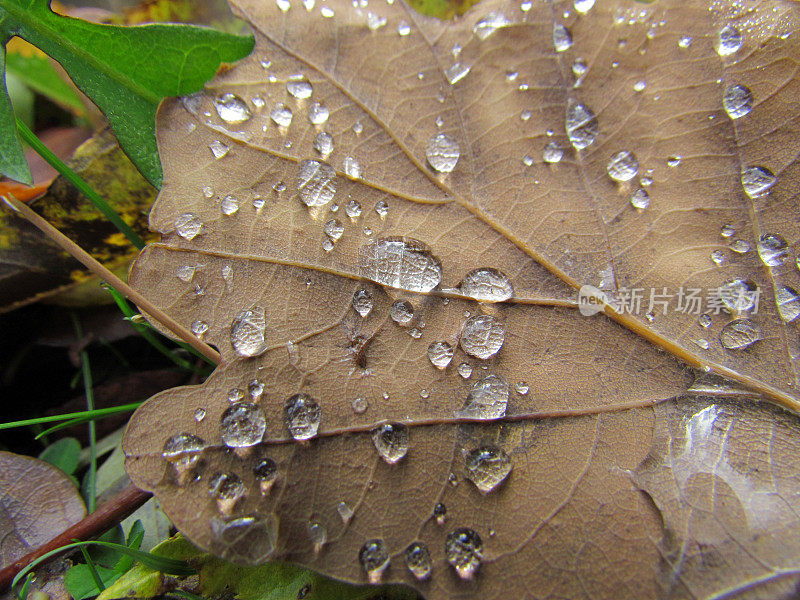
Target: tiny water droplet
[674,161]
[442,153]
[487,285]
[640,199]
[727,231]
[487,467]
[229,205]
[702,343]
[382,208]
[374,558]
[248,332]
[639,86]
[358,127]
[440,354]
[685,41]
[283,5]
[391,441]
[375,21]
[255,388]
[740,246]
[345,512]
[232,109]
[318,534]
[418,560]
[362,302]
[705,321]
[717,257]
[464,551]
[360,405]
[487,399]
[738,295]
[740,334]
[199,415]
[440,513]
[401,312]
[242,425]
[302,416]
[316,182]
[522,388]
[583,6]
[353,210]
[757,181]
[482,336]
[623,166]
[183,450]
[403,28]
[235,394]
[199,328]
[327,12]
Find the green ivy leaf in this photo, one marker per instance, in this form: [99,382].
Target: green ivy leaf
[126,71]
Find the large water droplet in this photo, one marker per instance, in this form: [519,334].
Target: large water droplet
[740,334]
[318,113]
[323,143]
[299,88]
[391,441]
[737,101]
[374,558]
[581,125]
[482,336]
[227,489]
[232,109]
[418,560]
[401,312]
[788,303]
[757,181]
[464,551]
[489,24]
[738,295]
[362,302]
[772,249]
[183,450]
[487,467]
[487,285]
[302,416]
[248,332]
[242,425]
[440,354]
[188,225]
[266,472]
[729,40]
[399,262]
[442,152]
[623,166]
[316,182]
[562,38]
[487,399]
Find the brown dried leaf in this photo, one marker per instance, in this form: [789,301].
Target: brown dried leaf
[37,502]
[568,521]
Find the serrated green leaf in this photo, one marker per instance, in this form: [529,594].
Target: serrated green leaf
[126,71]
[38,73]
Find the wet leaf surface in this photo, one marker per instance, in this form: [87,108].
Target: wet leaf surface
[419,267]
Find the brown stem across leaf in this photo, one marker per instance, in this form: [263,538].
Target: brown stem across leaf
[106,516]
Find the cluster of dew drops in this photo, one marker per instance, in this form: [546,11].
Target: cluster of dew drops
[407,264]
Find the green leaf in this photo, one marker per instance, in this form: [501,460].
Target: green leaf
[126,71]
[38,74]
[63,454]
[80,582]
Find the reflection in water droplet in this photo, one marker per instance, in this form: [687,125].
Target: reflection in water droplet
[640,199]
[489,24]
[442,153]
[374,558]
[227,489]
[487,285]
[738,295]
[351,167]
[302,416]
[487,399]
[757,181]
[464,551]
[623,166]
[418,560]
[552,153]
[482,336]
[242,425]
[737,101]
[188,225]
[581,125]
[323,143]
[401,312]
[316,182]
[318,113]
[399,262]
[562,38]
[729,40]
[391,441]
[248,332]
[299,88]
[772,249]
[465,370]
[740,334]
[232,109]
[266,472]
[183,450]
[788,303]
[487,467]
[440,354]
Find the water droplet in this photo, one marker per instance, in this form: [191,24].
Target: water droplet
[266,472]
[465,370]
[727,231]
[318,534]
[464,551]
[391,441]
[522,387]
[232,109]
[788,302]
[717,257]
[360,405]
[401,311]
[229,205]
[552,153]
[302,416]
[704,321]
[487,467]
[218,149]
[729,40]
[352,168]
[400,262]
[757,181]
[281,115]
[374,559]
[382,208]
[323,143]
[327,12]
[487,285]
[579,67]
[623,166]
[345,512]
[525,5]
[442,153]
[185,273]
[199,415]
[362,302]
[440,354]
[489,24]
[525,115]
[487,399]
[456,72]
[255,388]
[685,41]
[639,85]
[562,38]
[334,229]
[316,182]
[583,6]
[318,113]
[284,5]
[581,125]
[199,328]
[299,88]
[227,489]
[740,246]
[183,450]
[235,394]
[440,512]
[374,21]
[482,336]
[738,101]
[403,28]
[279,187]
[527,160]
[188,225]
[640,199]
[358,127]
[738,295]
[208,192]
[773,250]
[702,343]
[418,560]
[242,425]
[740,334]
[248,332]
[353,210]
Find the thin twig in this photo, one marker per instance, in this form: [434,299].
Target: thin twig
[109,514]
[95,267]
